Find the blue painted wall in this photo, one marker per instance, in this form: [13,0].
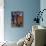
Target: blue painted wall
[29,7]
[43,6]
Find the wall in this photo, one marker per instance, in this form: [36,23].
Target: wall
[29,7]
[43,6]
[1,21]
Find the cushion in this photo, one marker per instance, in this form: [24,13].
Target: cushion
[20,42]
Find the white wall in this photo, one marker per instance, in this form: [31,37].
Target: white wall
[1,21]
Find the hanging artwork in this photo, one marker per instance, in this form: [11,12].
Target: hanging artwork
[17,18]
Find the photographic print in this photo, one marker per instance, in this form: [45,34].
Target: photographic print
[17,18]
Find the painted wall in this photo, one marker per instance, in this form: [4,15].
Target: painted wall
[43,6]
[29,7]
[1,21]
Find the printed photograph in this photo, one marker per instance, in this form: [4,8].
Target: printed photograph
[17,18]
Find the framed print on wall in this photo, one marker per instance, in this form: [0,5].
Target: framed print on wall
[17,18]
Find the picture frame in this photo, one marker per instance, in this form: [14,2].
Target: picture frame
[17,18]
